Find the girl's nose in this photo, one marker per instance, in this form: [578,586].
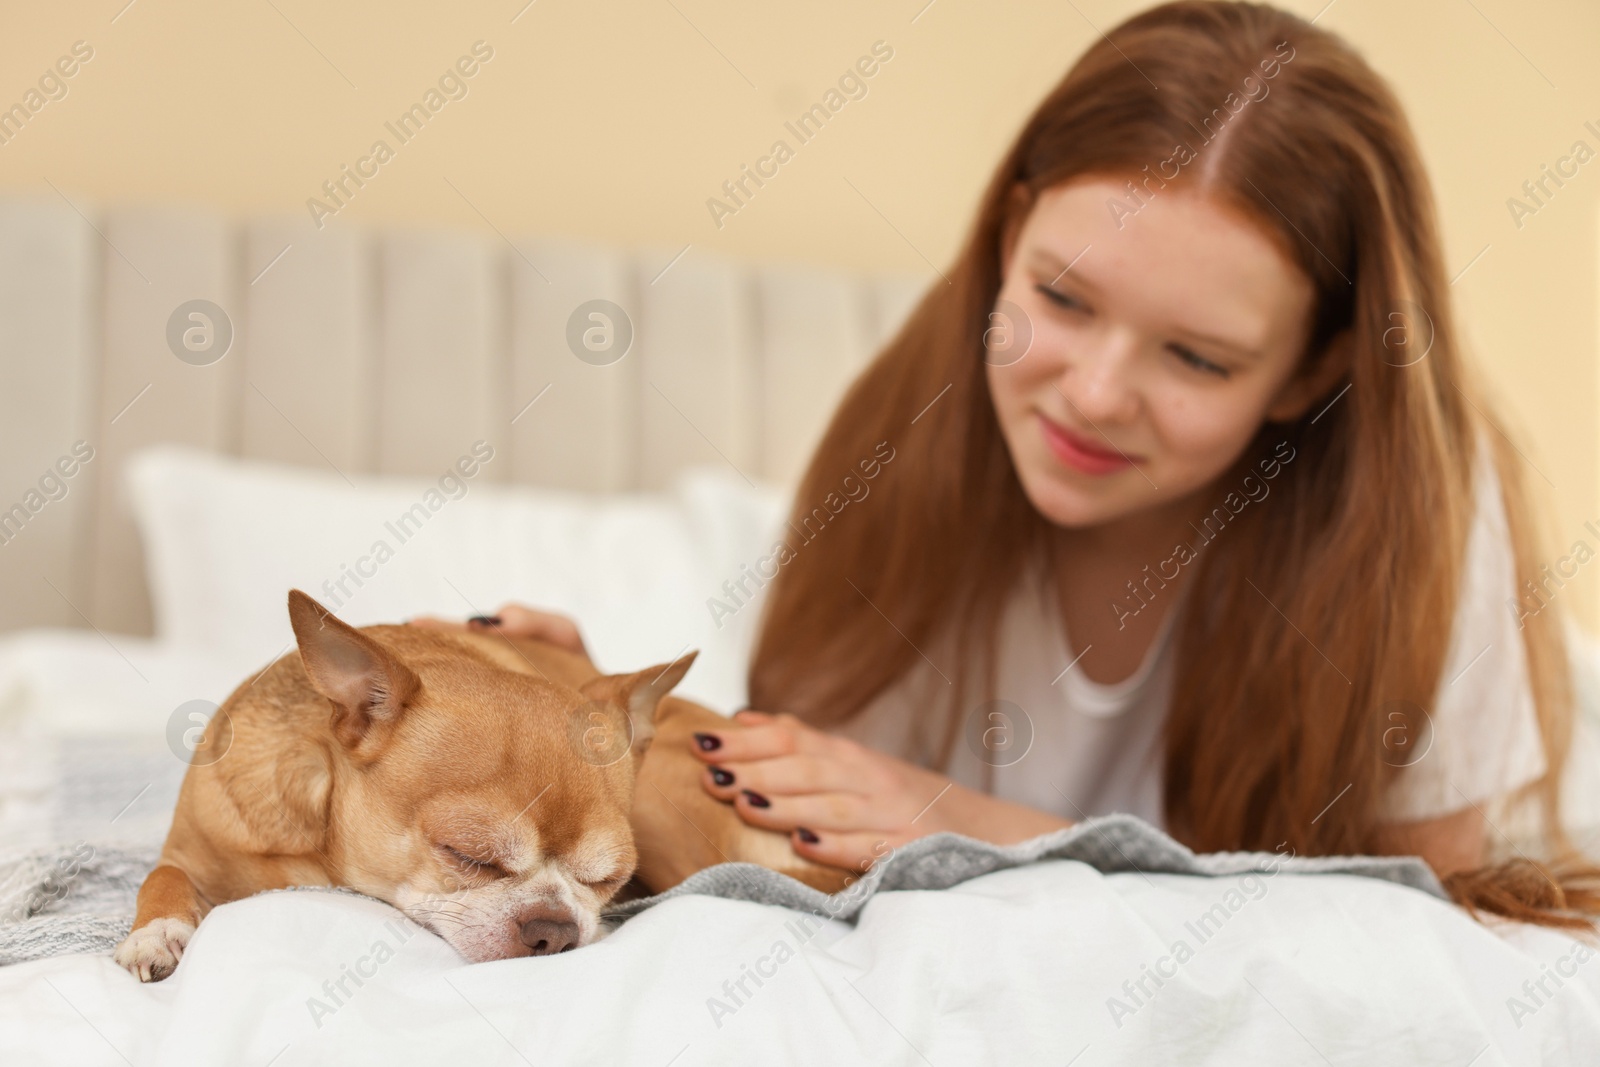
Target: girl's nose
[1097,379]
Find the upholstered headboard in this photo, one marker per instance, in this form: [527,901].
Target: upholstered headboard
[381,351]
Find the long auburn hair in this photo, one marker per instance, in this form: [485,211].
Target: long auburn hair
[1364,547]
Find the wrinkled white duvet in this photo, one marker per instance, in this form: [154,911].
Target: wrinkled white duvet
[1051,964]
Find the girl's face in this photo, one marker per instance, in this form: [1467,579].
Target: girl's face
[1132,380]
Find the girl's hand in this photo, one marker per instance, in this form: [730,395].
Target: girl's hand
[514,620]
[841,803]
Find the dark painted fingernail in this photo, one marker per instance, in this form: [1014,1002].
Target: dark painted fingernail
[806,835]
[757,800]
[485,620]
[708,742]
[721,776]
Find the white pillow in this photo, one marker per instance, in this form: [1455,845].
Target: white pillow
[81,682]
[225,540]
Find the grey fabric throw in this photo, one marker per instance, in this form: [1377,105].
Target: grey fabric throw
[1111,844]
[80,898]
[69,899]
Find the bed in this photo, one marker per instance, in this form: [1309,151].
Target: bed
[1048,962]
[166,573]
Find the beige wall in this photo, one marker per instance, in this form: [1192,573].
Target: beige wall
[618,119]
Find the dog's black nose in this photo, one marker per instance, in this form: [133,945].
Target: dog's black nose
[546,937]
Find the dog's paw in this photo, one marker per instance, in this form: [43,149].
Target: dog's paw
[151,952]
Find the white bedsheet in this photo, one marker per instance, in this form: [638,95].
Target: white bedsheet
[1018,967]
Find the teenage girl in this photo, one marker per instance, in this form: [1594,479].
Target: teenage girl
[1196,512]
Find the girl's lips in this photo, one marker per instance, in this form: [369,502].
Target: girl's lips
[1080,454]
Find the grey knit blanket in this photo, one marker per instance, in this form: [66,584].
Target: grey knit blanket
[1111,844]
[79,898]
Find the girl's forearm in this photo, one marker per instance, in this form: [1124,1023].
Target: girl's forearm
[997,821]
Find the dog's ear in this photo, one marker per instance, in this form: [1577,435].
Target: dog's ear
[639,694]
[367,686]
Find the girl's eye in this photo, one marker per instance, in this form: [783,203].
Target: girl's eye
[1057,297]
[1199,363]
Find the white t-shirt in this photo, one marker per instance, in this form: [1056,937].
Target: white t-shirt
[1063,743]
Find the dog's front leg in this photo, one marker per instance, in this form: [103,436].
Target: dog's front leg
[170,907]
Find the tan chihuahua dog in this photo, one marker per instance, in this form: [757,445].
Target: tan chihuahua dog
[484,786]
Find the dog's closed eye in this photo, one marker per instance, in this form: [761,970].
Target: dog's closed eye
[469,864]
[611,883]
